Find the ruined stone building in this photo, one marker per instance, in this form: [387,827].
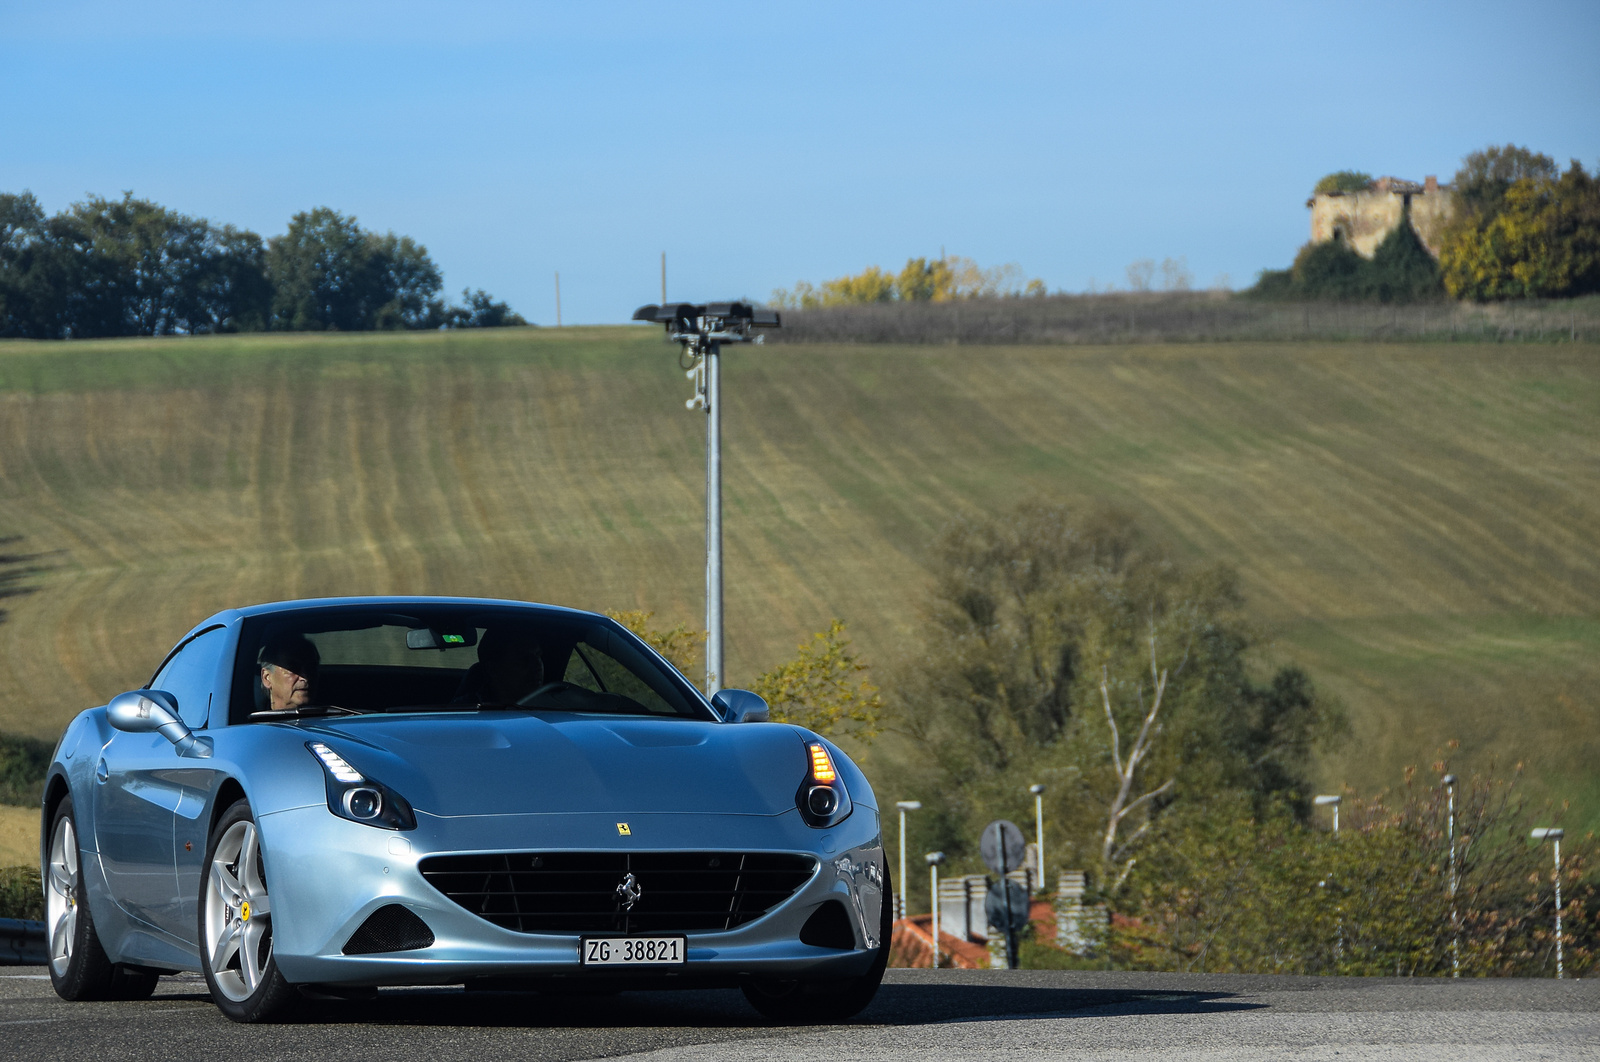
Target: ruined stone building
[1362,219]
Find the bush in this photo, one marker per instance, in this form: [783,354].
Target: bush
[23,762]
[21,893]
[1344,181]
[1401,270]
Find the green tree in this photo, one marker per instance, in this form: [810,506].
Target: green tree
[407,281]
[323,274]
[110,267]
[1064,647]
[1486,176]
[481,310]
[1538,236]
[823,687]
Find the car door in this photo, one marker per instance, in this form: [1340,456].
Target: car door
[148,798]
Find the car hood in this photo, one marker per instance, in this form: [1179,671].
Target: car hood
[486,763]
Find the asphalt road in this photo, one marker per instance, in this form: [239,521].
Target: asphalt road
[919,1014]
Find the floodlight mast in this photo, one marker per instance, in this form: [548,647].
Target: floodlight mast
[701,329]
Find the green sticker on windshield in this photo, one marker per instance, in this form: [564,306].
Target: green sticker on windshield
[454,639]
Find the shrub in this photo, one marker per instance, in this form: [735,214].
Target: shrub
[21,893]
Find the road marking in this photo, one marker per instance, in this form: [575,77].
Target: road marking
[31,1021]
[27,977]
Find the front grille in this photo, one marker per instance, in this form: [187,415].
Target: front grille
[579,892]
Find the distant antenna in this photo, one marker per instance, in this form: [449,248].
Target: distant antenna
[558,298]
[663,278]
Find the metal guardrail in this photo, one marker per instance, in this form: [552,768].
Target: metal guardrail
[22,943]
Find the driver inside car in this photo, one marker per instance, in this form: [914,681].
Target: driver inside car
[289,664]
[510,666]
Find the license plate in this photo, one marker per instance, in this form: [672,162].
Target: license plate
[632,951]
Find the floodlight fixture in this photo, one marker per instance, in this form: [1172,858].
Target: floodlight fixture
[1555,833]
[1323,801]
[701,329]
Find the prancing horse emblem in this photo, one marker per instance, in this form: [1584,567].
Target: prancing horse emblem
[629,892]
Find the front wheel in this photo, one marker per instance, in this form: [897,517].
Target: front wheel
[806,1003]
[79,968]
[236,924]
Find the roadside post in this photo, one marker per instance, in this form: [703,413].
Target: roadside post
[1004,848]
[1547,833]
[701,329]
[1449,781]
[902,881]
[1038,826]
[934,859]
[1333,801]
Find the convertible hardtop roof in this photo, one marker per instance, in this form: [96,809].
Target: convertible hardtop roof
[227,616]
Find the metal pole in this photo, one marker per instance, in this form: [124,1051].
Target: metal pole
[558,298]
[663,278]
[1038,820]
[714,672]
[1455,920]
[1560,969]
[933,870]
[900,900]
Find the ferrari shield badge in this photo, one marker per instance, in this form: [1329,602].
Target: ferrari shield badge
[623,831]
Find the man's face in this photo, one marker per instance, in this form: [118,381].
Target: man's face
[286,688]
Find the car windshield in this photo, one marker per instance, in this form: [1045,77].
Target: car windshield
[428,658]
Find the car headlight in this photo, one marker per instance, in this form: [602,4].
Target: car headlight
[354,796]
[822,797]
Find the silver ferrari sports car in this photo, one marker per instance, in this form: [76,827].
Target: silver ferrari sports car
[315,798]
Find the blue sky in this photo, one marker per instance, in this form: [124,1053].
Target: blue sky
[761,144]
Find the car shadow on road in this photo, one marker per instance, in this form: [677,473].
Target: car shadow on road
[896,1004]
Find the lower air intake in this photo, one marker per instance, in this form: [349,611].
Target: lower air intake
[590,892]
[389,928]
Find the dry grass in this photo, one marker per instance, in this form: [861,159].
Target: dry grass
[1414,522]
[19,836]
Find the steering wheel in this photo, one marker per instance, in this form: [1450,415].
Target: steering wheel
[549,687]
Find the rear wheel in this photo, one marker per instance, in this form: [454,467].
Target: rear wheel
[79,967]
[810,1002]
[236,924]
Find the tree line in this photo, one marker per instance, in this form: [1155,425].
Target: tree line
[131,267]
[943,279]
[1522,229]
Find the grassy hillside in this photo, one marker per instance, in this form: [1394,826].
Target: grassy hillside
[1416,524]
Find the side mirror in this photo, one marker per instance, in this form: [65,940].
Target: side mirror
[154,711]
[741,706]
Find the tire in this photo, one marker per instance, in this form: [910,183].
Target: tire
[79,967]
[814,1002]
[236,924]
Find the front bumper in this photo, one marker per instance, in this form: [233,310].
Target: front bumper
[326,875]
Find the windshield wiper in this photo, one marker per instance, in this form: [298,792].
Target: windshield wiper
[309,711]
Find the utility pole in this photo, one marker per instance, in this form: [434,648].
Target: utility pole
[701,330]
[558,298]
